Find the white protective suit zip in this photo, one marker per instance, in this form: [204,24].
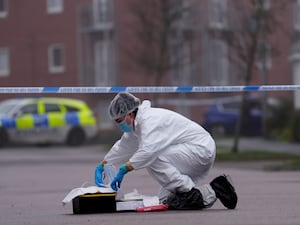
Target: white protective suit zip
[176,151]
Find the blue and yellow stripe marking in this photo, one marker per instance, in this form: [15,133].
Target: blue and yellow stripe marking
[40,120]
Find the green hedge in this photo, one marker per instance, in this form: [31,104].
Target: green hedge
[284,123]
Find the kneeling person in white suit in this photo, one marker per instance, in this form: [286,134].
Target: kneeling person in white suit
[176,151]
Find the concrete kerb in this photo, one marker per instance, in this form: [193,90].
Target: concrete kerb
[255,143]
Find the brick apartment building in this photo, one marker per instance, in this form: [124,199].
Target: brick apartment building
[81,43]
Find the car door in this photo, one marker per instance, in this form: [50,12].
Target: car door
[26,119]
[56,121]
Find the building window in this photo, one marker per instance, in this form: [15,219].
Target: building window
[102,12]
[104,61]
[216,63]
[3,8]
[55,6]
[180,10]
[297,16]
[181,62]
[4,62]
[265,58]
[56,58]
[218,14]
[267,5]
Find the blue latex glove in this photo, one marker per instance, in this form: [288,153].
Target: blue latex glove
[116,182]
[98,175]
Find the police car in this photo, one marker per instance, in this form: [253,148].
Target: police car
[46,120]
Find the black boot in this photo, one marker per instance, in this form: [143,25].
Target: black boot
[225,191]
[186,200]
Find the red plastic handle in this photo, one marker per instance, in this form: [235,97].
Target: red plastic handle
[161,207]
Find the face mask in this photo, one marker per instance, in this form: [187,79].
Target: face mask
[124,127]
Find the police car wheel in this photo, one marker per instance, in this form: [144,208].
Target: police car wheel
[75,137]
[3,137]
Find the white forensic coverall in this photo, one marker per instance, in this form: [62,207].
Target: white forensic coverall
[176,151]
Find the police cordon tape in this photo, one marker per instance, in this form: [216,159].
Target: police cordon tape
[147,89]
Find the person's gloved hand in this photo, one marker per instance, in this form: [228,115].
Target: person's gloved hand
[98,175]
[116,182]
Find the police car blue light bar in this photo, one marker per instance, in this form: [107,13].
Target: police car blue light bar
[147,89]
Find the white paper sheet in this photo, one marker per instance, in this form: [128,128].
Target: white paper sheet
[85,190]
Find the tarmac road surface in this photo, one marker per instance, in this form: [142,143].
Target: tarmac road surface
[33,182]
